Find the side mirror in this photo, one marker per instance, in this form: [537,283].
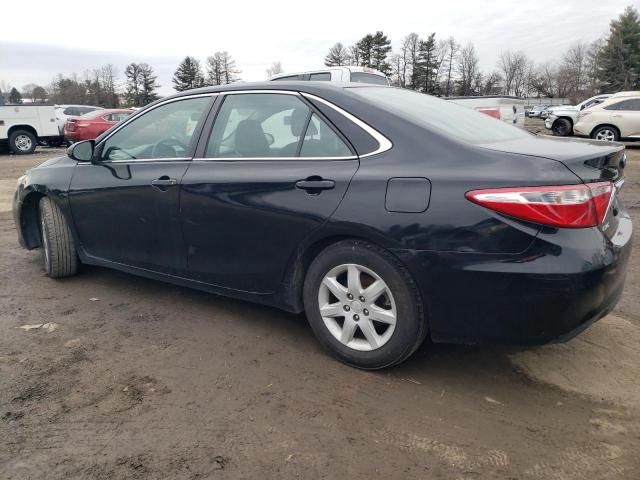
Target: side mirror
[82,151]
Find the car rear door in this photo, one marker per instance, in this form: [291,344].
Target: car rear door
[125,206]
[627,117]
[270,172]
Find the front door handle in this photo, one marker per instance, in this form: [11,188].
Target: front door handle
[314,185]
[163,182]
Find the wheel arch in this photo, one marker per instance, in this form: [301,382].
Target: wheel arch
[610,125]
[30,219]
[25,126]
[293,281]
[565,117]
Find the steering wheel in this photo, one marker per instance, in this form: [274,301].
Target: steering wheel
[164,148]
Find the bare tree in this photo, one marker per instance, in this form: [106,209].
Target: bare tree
[452,52]
[409,53]
[354,55]
[515,69]
[274,69]
[575,64]
[468,70]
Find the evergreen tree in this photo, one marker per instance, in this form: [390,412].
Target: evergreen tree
[619,67]
[188,75]
[337,56]
[380,53]
[39,94]
[148,85]
[133,87]
[425,70]
[365,50]
[14,96]
[1,97]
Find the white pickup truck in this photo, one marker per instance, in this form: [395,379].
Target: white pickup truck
[505,108]
[23,126]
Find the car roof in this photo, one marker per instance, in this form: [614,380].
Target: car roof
[349,68]
[318,88]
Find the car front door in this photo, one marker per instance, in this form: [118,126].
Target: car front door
[125,206]
[272,171]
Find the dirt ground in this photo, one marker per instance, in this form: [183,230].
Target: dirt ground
[135,379]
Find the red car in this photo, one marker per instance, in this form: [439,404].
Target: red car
[92,124]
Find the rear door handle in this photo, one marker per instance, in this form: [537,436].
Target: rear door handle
[313,184]
[163,182]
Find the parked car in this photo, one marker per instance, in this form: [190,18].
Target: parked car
[63,112]
[545,113]
[383,213]
[90,125]
[536,110]
[615,119]
[562,118]
[336,74]
[508,109]
[22,127]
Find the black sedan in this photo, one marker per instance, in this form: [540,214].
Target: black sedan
[386,215]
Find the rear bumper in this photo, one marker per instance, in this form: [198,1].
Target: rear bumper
[565,281]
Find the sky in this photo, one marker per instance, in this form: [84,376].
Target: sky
[86,34]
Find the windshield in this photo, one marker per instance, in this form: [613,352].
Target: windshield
[453,120]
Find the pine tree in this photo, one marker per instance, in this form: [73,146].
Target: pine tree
[337,56]
[188,75]
[14,96]
[148,84]
[380,53]
[133,85]
[365,50]
[426,67]
[620,57]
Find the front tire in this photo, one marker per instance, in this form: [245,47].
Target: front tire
[59,252]
[22,142]
[562,127]
[363,305]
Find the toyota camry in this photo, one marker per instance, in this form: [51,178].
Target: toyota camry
[383,214]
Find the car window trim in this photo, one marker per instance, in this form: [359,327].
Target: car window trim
[384,144]
[213,114]
[196,133]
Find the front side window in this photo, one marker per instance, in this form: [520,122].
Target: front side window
[164,132]
[270,126]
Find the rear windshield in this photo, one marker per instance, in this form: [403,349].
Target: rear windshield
[439,115]
[360,77]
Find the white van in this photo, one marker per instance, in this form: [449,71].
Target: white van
[23,126]
[336,74]
[508,109]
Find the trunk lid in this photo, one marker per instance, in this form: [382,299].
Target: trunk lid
[590,160]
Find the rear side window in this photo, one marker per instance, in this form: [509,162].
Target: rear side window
[271,125]
[361,77]
[321,141]
[320,77]
[287,78]
[627,105]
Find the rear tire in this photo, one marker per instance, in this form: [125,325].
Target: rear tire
[606,133]
[59,252]
[22,142]
[376,331]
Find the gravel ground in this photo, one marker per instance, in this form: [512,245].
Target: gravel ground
[135,379]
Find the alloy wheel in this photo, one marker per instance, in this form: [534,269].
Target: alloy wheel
[357,307]
[606,134]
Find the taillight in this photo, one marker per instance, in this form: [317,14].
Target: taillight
[492,112]
[570,206]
